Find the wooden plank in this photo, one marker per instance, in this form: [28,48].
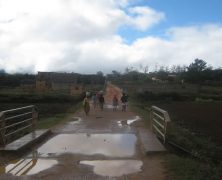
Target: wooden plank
[157,115]
[17,116]
[9,134]
[150,142]
[158,109]
[18,109]
[25,140]
[158,130]
[15,124]
[157,122]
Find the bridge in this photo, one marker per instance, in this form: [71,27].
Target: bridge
[18,128]
[103,144]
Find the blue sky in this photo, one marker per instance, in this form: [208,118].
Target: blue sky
[185,12]
[87,36]
[177,14]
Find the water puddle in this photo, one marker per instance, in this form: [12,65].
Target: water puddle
[110,106]
[128,122]
[27,166]
[112,145]
[114,168]
[75,120]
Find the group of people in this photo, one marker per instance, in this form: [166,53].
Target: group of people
[124,101]
[98,101]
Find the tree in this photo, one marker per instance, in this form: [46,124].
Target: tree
[144,69]
[198,65]
[116,73]
[99,73]
[196,71]
[2,71]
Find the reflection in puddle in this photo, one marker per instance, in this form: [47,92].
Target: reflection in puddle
[75,120]
[27,166]
[113,145]
[109,106]
[41,165]
[114,168]
[128,122]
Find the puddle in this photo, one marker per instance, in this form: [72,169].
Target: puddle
[128,122]
[27,166]
[112,145]
[109,106]
[75,120]
[114,168]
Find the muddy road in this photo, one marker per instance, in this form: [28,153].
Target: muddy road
[103,145]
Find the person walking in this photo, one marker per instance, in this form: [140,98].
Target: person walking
[124,100]
[101,101]
[86,105]
[94,100]
[115,103]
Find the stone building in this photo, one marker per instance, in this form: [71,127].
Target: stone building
[59,82]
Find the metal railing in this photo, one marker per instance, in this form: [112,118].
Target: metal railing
[14,123]
[160,121]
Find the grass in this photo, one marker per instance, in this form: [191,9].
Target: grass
[142,111]
[184,168]
[48,122]
[206,160]
[52,109]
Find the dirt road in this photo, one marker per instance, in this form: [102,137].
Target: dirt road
[103,145]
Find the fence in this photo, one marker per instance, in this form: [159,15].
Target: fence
[14,123]
[160,120]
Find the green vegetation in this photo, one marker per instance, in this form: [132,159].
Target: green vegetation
[200,136]
[45,123]
[52,108]
[15,80]
[184,168]
[51,120]
[198,73]
[141,110]
[192,96]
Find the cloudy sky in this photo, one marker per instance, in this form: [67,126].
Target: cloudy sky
[87,36]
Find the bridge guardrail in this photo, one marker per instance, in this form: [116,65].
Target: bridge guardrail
[160,121]
[15,121]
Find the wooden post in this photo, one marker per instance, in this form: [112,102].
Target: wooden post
[167,124]
[2,129]
[34,119]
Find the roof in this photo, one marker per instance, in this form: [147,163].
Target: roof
[57,77]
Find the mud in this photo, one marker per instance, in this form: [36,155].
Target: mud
[103,145]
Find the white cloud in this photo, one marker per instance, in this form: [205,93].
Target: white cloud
[144,17]
[81,36]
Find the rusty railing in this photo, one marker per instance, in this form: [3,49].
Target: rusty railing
[160,122]
[14,123]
